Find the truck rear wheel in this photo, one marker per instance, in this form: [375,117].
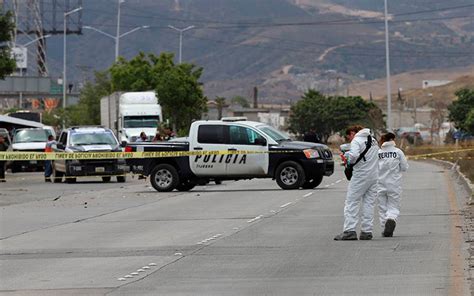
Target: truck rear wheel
[290,175]
[164,177]
[313,183]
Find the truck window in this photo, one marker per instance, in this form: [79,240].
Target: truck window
[211,134]
[141,121]
[240,135]
[63,138]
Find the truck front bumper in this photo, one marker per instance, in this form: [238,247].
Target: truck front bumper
[318,167]
[92,168]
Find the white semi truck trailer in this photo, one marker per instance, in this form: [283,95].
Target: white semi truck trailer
[130,113]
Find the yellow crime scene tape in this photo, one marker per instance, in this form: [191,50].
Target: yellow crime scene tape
[434,155]
[5,156]
[16,156]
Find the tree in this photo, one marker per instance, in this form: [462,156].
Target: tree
[220,104]
[177,87]
[461,111]
[7,64]
[327,115]
[239,100]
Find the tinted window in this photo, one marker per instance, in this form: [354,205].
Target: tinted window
[242,135]
[211,134]
[63,138]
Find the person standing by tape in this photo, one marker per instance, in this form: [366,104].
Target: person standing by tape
[392,162]
[362,190]
[48,167]
[3,147]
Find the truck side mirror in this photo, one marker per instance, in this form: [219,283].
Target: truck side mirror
[261,141]
[60,146]
[123,144]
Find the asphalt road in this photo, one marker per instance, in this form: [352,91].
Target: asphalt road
[238,238]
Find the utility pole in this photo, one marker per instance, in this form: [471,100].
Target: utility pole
[387,64]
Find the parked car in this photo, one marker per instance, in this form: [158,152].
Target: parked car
[88,139]
[411,134]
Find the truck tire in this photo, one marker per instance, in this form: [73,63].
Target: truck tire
[164,177]
[69,179]
[121,179]
[313,183]
[57,176]
[290,175]
[106,179]
[185,186]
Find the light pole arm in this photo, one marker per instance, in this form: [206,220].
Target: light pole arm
[133,30]
[99,31]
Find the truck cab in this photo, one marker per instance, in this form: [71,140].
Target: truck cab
[30,140]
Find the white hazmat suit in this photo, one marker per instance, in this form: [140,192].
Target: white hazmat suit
[362,190]
[391,163]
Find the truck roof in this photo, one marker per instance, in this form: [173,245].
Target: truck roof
[143,97]
[242,122]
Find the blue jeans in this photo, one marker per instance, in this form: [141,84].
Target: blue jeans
[48,168]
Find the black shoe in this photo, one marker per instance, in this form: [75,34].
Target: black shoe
[47,180]
[346,235]
[3,180]
[365,235]
[389,228]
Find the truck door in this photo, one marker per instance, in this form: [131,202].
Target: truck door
[210,137]
[254,164]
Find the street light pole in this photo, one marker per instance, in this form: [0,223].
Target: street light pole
[66,14]
[181,31]
[116,39]
[387,64]
[117,36]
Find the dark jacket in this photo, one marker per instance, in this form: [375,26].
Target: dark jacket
[3,146]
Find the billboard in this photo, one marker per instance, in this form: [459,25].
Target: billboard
[21,57]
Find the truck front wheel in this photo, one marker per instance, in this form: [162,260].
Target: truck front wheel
[290,175]
[164,178]
[313,183]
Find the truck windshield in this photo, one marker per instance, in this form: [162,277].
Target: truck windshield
[140,121]
[274,133]
[33,135]
[93,138]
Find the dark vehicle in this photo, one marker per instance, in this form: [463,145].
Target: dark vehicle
[26,115]
[411,134]
[88,139]
[292,164]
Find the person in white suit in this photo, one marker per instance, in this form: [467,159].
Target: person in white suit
[392,162]
[362,190]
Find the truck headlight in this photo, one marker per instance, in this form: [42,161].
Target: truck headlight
[311,153]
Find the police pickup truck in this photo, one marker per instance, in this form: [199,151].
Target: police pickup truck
[271,155]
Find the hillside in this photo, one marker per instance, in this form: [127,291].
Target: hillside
[282,46]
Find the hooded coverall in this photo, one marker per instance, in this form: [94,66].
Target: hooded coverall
[362,190]
[392,162]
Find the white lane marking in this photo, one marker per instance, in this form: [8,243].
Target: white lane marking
[178,254]
[128,276]
[326,186]
[140,270]
[235,228]
[121,279]
[254,219]
[134,273]
[152,264]
[307,194]
[285,205]
[272,211]
[146,267]
[338,181]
